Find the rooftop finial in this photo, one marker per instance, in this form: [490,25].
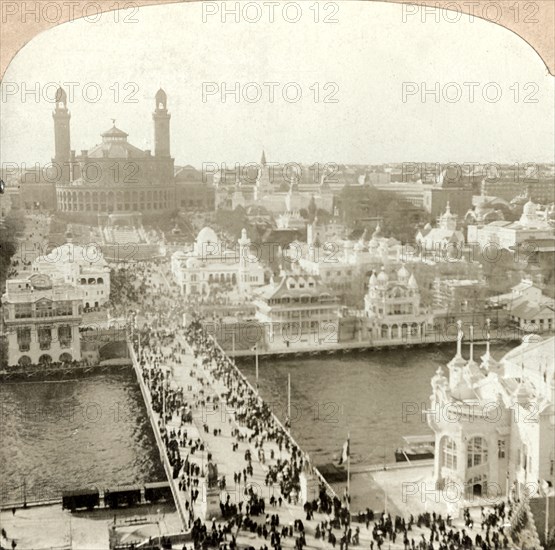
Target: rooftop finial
[114,122]
[460,335]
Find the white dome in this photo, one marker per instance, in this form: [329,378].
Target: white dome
[383,277]
[412,282]
[373,279]
[529,209]
[207,235]
[403,274]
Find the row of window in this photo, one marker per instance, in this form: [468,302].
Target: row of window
[95,207]
[45,359]
[298,300]
[541,322]
[43,309]
[396,309]
[44,337]
[111,197]
[91,281]
[476,453]
[299,313]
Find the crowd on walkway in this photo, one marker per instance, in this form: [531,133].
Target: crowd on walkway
[163,343]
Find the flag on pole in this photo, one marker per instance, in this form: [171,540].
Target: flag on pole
[345,452]
[545,487]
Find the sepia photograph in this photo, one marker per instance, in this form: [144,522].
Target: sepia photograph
[277,275]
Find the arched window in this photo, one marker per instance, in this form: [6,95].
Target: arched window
[385,331]
[24,360]
[45,359]
[100,281]
[477,452]
[449,448]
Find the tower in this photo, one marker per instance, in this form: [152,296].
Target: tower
[263,182]
[161,119]
[62,141]
[244,250]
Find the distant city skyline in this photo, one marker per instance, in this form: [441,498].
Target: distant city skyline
[366,61]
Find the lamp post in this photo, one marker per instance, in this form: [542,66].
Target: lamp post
[256,364]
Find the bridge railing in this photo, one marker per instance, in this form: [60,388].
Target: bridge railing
[315,470]
[158,436]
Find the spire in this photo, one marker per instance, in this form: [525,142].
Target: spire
[61,97]
[488,362]
[263,159]
[161,100]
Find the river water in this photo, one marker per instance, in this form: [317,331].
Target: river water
[95,432]
[74,434]
[374,397]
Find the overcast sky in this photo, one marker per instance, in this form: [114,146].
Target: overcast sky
[369,54]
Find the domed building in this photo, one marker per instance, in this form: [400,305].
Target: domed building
[114,177]
[210,264]
[531,228]
[81,266]
[342,263]
[493,421]
[392,306]
[444,236]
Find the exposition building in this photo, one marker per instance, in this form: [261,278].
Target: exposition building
[210,264]
[114,176]
[42,317]
[493,421]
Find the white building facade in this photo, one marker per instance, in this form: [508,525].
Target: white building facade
[80,266]
[393,307]
[210,264]
[42,318]
[494,422]
[529,228]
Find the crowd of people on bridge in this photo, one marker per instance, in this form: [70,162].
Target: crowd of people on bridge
[255,425]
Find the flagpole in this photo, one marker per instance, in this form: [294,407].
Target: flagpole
[348,471]
[289,397]
[256,364]
[546,515]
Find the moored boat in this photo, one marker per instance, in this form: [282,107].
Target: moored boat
[418,447]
